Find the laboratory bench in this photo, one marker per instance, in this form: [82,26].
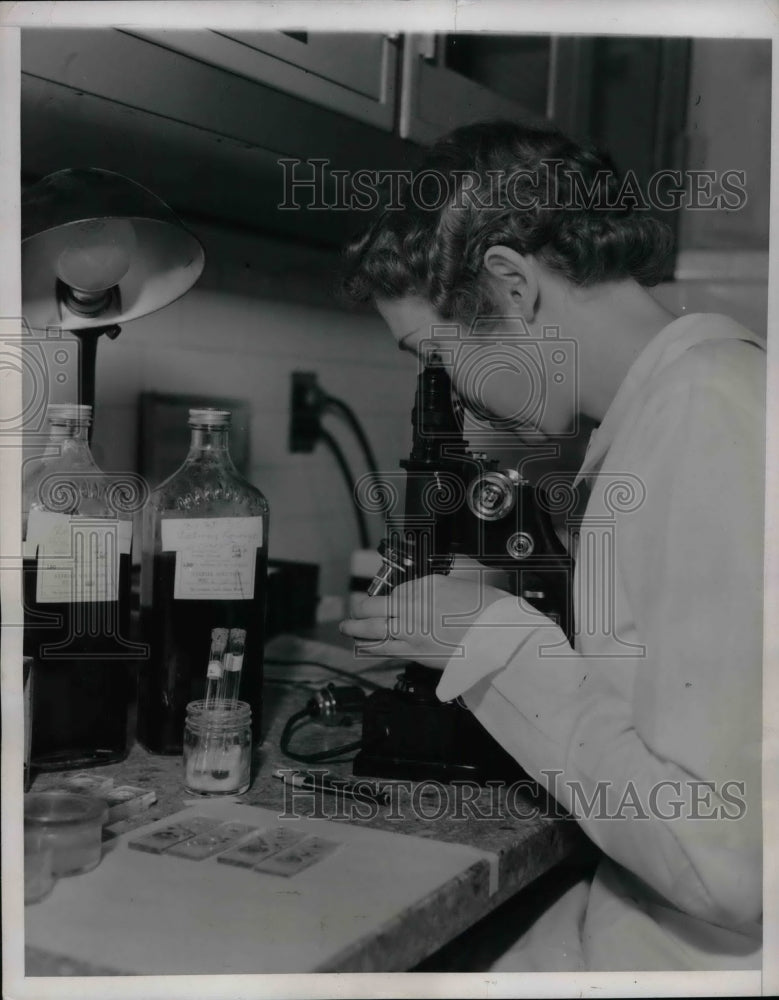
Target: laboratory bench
[518,852]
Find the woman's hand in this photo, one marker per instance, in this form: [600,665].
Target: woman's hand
[423,619]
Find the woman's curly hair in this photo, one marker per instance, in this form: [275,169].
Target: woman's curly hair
[527,187]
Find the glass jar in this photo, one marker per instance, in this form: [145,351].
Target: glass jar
[217,748]
[204,568]
[78,536]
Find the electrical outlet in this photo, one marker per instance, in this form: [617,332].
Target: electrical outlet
[306,403]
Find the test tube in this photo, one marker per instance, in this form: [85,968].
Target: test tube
[215,667]
[214,674]
[232,665]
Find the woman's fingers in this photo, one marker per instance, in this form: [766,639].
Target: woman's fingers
[400,649]
[389,647]
[400,600]
[366,628]
[371,607]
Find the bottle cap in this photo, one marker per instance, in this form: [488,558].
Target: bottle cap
[59,412]
[209,417]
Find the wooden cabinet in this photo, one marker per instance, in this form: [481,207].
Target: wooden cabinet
[351,73]
[456,79]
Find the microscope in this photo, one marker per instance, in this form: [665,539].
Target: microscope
[457,503]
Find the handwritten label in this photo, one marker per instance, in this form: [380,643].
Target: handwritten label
[77,557]
[215,556]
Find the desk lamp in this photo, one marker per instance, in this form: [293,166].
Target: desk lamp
[99,249]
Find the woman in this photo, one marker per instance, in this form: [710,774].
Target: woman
[647,726]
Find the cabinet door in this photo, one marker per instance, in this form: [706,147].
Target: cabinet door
[352,73]
[457,79]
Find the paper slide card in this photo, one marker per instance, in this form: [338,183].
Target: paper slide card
[89,784]
[260,847]
[123,801]
[296,859]
[275,851]
[126,800]
[211,842]
[161,840]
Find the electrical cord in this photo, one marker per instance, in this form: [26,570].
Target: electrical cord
[333,705]
[328,701]
[310,758]
[338,405]
[343,465]
[282,682]
[364,681]
[322,401]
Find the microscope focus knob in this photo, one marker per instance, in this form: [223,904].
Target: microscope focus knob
[491,496]
[520,545]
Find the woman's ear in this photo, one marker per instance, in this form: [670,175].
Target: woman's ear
[515,279]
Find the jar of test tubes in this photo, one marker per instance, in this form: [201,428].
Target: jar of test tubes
[217,747]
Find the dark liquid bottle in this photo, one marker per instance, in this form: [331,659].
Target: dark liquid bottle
[204,567]
[77,604]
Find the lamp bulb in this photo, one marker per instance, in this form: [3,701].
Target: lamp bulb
[98,254]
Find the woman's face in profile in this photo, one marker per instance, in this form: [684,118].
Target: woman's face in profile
[519,380]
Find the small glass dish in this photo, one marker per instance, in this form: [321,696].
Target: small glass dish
[71,824]
[38,863]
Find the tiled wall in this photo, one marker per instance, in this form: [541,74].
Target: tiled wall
[260,311]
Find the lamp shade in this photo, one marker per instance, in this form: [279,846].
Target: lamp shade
[91,231]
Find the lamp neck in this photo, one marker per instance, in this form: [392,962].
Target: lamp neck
[88,304]
[87,361]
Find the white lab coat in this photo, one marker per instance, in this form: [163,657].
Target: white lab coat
[664,681]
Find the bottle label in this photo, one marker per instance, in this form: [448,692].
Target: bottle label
[215,556]
[77,557]
[234,662]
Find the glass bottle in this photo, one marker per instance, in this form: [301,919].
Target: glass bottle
[57,417]
[77,604]
[204,567]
